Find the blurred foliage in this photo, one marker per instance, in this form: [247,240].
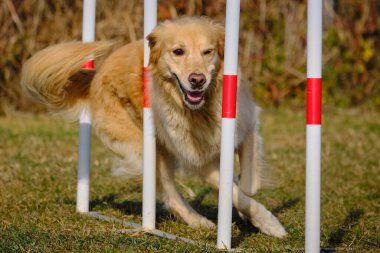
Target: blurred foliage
[272,43]
[353,72]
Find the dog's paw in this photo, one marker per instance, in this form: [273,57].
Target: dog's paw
[269,224]
[203,223]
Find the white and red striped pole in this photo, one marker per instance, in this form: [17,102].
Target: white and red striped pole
[84,150]
[228,124]
[313,126]
[149,160]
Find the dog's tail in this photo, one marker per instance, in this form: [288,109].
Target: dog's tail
[54,76]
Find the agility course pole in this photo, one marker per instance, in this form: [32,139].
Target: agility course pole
[149,160]
[313,126]
[84,152]
[228,124]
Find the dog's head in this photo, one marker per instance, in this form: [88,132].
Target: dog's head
[188,52]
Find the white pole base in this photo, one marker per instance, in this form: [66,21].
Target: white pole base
[83,196]
[149,172]
[313,188]
[83,186]
[225,183]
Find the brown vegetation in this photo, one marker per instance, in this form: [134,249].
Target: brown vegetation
[272,40]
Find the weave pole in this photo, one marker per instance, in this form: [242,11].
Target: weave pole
[149,160]
[228,124]
[84,150]
[313,126]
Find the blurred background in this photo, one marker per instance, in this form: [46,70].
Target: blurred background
[272,44]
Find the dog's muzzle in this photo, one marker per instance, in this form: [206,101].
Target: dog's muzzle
[193,98]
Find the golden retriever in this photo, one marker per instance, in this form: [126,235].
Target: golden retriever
[186,68]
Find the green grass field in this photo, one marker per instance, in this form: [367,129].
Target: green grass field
[38,162]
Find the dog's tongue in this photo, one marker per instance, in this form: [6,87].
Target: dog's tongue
[194,96]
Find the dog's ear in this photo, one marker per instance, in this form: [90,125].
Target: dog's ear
[219,30]
[154,45]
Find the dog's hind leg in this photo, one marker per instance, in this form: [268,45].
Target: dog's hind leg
[123,138]
[173,199]
[253,210]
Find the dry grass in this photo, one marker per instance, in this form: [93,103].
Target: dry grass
[38,160]
[272,42]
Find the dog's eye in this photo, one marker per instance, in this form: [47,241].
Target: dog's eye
[209,51]
[178,51]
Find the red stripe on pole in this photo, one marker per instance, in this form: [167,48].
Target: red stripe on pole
[88,64]
[229,96]
[314,98]
[146,87]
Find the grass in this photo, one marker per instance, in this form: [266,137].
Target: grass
[38,160]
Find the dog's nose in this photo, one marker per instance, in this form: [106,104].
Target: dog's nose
[197,80]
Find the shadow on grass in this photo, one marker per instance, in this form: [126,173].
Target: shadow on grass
[110,200]
[128,207]
[286,205]
[210,211]
[245,227]
[336,237]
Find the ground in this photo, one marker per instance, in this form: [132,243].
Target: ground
[38,162]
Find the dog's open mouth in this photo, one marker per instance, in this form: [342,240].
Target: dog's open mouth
[192,97]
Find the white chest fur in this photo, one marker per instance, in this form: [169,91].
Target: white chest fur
[191,136]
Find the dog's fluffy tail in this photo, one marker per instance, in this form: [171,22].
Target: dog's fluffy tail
[54,76]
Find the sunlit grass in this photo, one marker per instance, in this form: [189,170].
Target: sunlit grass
[38,160]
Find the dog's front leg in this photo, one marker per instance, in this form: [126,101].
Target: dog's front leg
[173,199]
[253,210]
[251,163]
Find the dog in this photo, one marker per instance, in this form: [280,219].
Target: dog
[186,69]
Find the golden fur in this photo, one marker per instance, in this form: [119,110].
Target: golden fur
[186,67]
